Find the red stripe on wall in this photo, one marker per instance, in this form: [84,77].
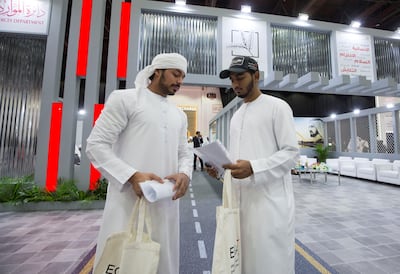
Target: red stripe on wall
[54,146]
[94,173]
[123,39]
[84,32]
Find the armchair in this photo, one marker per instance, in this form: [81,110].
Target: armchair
[348,167]
[388,172]
[333,165]
[306,161]
[367,169]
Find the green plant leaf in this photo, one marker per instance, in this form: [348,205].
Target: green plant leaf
[322,152]
[24,190]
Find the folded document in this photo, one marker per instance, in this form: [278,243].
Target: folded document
[154,191]
[214,154]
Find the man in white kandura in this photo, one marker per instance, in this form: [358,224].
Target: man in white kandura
[264,149]
[141,136]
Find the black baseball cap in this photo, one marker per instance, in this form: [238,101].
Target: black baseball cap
[240,64]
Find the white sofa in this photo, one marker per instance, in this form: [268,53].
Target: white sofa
[388,172]
[333,165]
[306,161]
[347,166]
[367,169]
[377,169]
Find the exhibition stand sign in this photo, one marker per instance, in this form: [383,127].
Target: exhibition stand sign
[25,16]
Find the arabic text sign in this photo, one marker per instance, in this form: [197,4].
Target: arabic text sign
[355,55]
[24,16]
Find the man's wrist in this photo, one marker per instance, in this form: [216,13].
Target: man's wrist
[188,177]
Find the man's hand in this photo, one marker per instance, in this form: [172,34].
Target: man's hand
[181,184]
[212,171]
[242,169]
[140,177]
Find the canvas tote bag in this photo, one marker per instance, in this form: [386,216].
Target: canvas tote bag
[131,251]
[227,246]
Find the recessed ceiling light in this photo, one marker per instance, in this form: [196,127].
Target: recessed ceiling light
[333,115]
[389,105]
[356,111]
[180,2]
[355,24]
[398,30]
[246,9]
[303,16]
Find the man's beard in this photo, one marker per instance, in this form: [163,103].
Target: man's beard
[164,88]
[248,89]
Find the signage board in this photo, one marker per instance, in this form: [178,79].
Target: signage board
[25,16]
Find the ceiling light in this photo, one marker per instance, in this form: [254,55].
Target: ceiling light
[303,16]
[246,9]
[333,115]
[389,105]
[398,30]
[180,2]
[355,24]
[82,112]
[356,111]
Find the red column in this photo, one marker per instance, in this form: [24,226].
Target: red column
[94,173]
[84,32]
[54,146]
[123,39]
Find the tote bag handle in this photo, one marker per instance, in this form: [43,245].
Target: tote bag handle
[228,197]
[139,219]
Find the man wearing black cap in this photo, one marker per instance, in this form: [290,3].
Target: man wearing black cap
[264,149]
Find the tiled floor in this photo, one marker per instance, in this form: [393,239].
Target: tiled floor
[46,242]
[354,227]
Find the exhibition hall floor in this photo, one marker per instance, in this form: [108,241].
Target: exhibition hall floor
[349,228]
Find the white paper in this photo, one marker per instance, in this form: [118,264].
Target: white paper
[214,154]
[154,191]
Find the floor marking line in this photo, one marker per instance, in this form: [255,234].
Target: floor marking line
[202,249]
[197,227]
[193,203]
[88,267]
[195,214]
[311,260]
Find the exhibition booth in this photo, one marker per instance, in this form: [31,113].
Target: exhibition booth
[74,64]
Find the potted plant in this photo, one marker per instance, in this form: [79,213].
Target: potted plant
[322,152]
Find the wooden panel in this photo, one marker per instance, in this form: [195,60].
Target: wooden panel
[192,122]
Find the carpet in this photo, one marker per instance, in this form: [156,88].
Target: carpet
[306,262]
